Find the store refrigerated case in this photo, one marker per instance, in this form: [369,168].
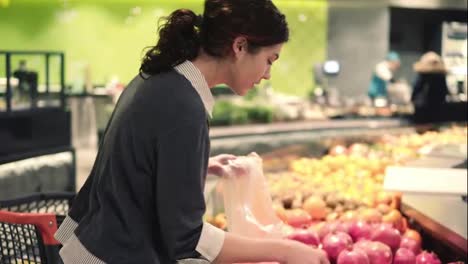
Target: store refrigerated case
[454,54]
[280,148]
[35,145]
[37,81]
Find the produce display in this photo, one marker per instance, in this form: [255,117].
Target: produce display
[336,202]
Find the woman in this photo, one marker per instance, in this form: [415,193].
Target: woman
[143,202]
[430,88]
[382,75]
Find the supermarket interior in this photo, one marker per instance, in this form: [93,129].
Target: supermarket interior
[321,131]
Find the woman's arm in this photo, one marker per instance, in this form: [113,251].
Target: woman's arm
[238,249]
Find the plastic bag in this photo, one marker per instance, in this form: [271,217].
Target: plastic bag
[247,201]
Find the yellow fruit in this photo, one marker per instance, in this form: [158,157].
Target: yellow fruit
[315,207]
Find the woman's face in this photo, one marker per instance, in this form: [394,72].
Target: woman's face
[249,69]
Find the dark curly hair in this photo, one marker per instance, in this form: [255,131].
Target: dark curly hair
[184,33]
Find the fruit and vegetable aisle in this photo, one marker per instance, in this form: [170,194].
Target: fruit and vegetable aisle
[337,203]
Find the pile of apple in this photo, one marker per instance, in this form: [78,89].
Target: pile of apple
[337,203]
[336,187]
[348,181]
[455,134]
[370,235]
[365,242]
[351,180]
[373,235]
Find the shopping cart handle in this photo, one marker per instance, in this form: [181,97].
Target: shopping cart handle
[45,222]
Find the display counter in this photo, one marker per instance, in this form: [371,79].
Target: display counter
[315,137]
[320,173]
[434,197]
[36,154]
[304,126]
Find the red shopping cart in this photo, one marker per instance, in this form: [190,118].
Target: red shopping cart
[28,238]
[56,203]
[27,226]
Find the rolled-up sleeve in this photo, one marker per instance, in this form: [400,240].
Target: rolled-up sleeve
[211,241]
[182,159]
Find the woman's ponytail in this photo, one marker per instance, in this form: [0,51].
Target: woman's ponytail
[179,40]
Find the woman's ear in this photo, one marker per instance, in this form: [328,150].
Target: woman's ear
[239,46]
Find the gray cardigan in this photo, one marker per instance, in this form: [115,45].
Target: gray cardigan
[143,201]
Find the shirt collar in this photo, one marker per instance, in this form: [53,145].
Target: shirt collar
[198,81]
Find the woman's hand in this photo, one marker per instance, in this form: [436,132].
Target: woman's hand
[240,249]
[299,253]
[226,164]
[216,164]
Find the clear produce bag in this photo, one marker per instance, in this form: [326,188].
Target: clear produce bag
[247,201]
